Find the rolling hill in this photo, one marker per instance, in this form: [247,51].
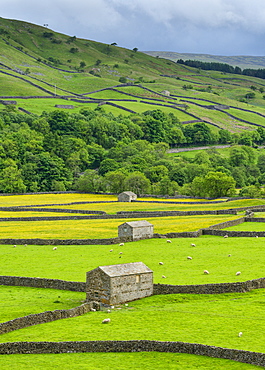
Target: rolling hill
[41,69]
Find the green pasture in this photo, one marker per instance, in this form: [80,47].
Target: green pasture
[120,361]
[206,319]
[222,257]
[25,301]
[248,226]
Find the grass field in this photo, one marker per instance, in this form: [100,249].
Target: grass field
[211,253]
[207,319]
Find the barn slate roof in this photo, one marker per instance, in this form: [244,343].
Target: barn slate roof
[125,269]
[141,223]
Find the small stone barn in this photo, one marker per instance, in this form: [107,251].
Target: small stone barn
[127,196]
[136,230]
[121,283]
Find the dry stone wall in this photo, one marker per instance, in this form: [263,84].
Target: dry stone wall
[254,358]
[42,318]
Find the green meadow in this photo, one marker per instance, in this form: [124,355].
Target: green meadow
[208,319]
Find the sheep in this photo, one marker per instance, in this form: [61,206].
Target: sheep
[112,307]
[206,272]
[169,241]
[108,311]
[93,309]
[163,277]
[120,253]
[111,250]
[193,245]
[238,273]
[229,255]
[226,236]
[240,334]
[161,263]
[105,321]
[189,258]
[121,244]
[54,248]
[126,305]
[14,246]
[25,245]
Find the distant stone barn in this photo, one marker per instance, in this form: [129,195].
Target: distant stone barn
[118,284]
[127,196]
[136,230]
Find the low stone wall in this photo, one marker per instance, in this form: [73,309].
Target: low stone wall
[254,358]
[223,225]
[234,234]
[238,287]
[74,286]
[38,241]
[42,318]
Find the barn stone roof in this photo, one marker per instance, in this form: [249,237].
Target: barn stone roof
[141,223]
[128,193]
[125,269]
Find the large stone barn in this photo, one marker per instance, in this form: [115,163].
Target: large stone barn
[127,196]
[136,230]
[121,283]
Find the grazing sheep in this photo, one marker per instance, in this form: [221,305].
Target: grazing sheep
[105,321]
[126,304]
[111,250]
[163,276]
[108,311]
[229,255]
[121,244]
[112,307]
[169,241]
[225,236]
[240,334]
[193,245]
[93,309]
[14,246]
[120,253]
[54,248]
[161,263]
[189,258]
[25,245]
[238,273]
[206,272]
[257,236]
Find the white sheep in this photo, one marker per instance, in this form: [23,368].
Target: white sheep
[189,258]
[238,273]
[93,309]
[121,244]
[120,253]
[108,311]
[105,321]
[14,246]
[206,272]
[111,250]
[240,334]
[54,248]
[161,263]
[225,236]
[229,255]
[193,245]
[169,241]
[112,307]
[126,305]
[163,276]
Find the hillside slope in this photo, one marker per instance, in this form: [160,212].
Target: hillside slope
[40,69]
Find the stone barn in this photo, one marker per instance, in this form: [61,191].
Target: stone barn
[136,230]
[127,196]
[121,283]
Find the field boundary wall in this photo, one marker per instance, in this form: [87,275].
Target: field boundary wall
[249,357]
[43,317]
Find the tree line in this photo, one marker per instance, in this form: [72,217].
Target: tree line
[223,67]
[93,150]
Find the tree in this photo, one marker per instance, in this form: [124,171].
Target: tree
[138,183]
[218,184]
[11,180]
[115,181]
[135,49]
[90,181]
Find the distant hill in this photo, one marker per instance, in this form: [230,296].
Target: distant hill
[242,61]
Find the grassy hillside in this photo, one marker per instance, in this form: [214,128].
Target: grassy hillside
[37,63]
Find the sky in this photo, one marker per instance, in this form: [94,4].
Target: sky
[219,27]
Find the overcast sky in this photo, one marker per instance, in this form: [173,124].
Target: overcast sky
[221,27]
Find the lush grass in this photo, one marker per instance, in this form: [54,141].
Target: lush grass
[206,319]
[120,361]
[248,226]
[102,228]
[25,301]
[211,253]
